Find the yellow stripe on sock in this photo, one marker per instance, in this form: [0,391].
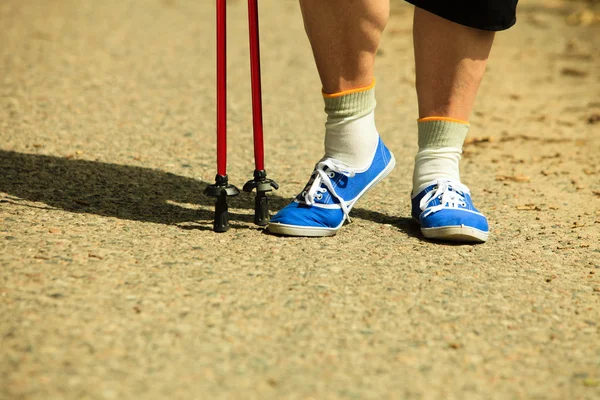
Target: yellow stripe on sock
[349,91]
[460,121]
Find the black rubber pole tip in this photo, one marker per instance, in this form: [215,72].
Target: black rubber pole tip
[261,209]
[261,201]
[221,190]
[221,223]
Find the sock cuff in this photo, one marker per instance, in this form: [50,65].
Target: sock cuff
[442,132]
[460,121]
[350,103]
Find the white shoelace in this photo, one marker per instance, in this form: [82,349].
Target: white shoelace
[450,193]
[315,191]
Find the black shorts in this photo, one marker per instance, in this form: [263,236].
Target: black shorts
[489,15]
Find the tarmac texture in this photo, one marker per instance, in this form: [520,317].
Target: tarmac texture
[113,285]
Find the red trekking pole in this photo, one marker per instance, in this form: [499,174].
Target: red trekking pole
[222,189]
[260,181]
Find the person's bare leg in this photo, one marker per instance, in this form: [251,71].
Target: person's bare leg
[344,36]
[450,61]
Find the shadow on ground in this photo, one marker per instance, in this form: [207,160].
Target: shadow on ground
[130,192]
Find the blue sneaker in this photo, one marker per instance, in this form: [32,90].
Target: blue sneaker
[446,212]
[329,195]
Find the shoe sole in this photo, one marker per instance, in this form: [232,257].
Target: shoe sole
[313,231]
[459,233]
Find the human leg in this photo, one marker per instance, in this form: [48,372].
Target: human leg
[344,37]
[450,63]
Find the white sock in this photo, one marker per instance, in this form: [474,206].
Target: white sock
[350,132]
[440,149]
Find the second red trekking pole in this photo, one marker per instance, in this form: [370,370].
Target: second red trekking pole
[260,181]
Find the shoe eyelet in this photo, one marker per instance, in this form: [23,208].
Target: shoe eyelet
[319,196]
[303,193]
[331,174]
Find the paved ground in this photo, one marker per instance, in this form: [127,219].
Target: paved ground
[112,285]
